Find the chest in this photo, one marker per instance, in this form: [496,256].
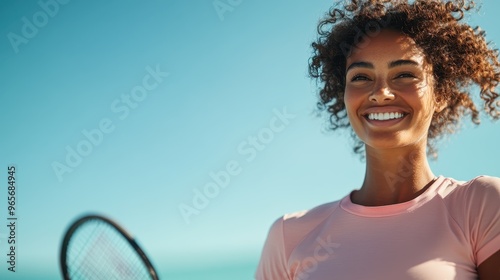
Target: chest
[412,246]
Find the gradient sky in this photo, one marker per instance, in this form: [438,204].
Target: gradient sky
[221,80]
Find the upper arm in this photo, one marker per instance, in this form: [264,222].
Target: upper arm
[490,268]
[273,260]
[485,226]
[483,217]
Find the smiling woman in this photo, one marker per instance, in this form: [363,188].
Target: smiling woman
[390,76]
[397,74]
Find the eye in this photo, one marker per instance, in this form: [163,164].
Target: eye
[359,77]
[405,75]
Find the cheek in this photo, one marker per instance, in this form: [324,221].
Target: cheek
[355,96]
[350,100]
[349,104]
[425,96]
[423,105]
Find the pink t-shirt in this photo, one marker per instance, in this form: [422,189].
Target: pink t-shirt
[444,233]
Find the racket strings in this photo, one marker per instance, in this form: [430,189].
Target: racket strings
[99,251]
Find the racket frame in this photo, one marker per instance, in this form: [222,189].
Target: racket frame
[82,220]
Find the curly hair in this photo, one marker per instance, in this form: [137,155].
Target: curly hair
[459,54]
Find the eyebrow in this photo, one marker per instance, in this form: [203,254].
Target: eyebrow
[392,64]
[403,62]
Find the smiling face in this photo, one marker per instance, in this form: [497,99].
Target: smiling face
[389,94]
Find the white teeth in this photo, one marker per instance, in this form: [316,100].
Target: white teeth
[384,116]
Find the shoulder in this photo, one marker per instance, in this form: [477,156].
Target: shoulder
[284,235]
[479,187]
[473,200]
[293,227]
[305,218]
[484,190]
[486,183]
[467,200]
[481,216]
[309,218]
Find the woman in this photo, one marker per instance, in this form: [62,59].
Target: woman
[398,74]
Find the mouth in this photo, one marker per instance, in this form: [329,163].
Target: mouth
[387,116]
[385,119]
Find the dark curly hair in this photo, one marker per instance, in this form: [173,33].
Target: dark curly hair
[459,54]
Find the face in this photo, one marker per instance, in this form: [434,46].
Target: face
[389,94]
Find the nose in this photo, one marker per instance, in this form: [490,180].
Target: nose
[382,93]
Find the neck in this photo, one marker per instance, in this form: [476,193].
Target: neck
[394,176]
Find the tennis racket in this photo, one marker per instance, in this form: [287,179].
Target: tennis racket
[95,247]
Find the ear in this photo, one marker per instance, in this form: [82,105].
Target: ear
[440,106]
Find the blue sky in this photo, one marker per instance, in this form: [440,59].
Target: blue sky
[171,93]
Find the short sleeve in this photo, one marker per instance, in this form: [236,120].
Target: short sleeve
[273,261]
[484,217]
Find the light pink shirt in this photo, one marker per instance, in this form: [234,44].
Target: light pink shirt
[444,233]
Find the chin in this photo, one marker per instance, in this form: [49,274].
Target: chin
[393,144]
